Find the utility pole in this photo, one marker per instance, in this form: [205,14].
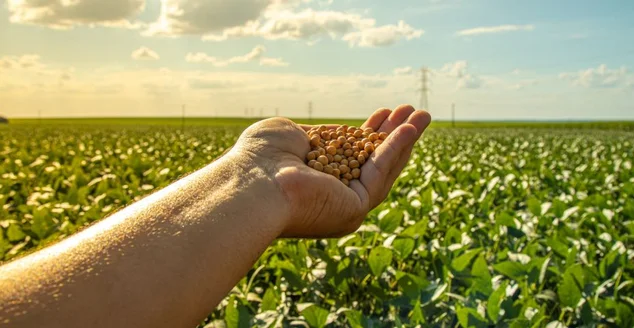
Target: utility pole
[424,90]
[183,119]
[310,110]
[453,115]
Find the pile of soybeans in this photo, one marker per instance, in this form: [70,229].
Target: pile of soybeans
[342,151]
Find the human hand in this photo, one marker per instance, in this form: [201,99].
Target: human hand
[318,204]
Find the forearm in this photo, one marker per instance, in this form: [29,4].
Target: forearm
[154,263]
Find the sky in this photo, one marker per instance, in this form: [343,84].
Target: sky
[495,60]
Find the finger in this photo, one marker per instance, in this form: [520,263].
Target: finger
[398,116]
[420,119]
[377,118]
[376,171]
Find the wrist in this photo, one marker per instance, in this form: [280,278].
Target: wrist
[247,183]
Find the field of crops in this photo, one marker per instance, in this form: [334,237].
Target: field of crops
[519,227]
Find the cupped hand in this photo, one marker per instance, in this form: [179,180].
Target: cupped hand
[319,205]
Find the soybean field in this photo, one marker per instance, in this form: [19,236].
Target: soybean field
[518,225]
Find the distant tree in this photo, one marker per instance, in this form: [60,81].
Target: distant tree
[4,120]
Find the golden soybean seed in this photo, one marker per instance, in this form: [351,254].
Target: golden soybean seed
[369,147]
[342,151]
[322,159]
[318,167]
[314,141]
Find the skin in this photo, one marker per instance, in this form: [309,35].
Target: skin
[169,259]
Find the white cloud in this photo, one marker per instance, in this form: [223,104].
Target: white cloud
[20,62]
[65,14]
[494,29]
[600,77]
[403,70]
[219,20]
[198,17]
[523,84]
[278,62]
[460,70]
[291,25]
[256,54]
[382,36]
[145,53]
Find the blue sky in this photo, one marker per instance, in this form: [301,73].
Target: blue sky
[494,59]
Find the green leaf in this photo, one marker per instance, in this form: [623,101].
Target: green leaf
[462,262]
[270,300]
[403,247]
[355,319]
[513,270]
[315,316]
[558,247]
[416,315]
[610,263]
[237,315]
[535,206]
[391,221]
[14,233]
[482,282]
[468,318]
[379,259]
[42,224]
[569,288]
[495,300]
[504,219]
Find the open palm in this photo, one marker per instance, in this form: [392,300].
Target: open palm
[320,205]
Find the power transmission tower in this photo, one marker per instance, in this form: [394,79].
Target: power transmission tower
[277,112]
[424,90]
[453,115]
[310,110]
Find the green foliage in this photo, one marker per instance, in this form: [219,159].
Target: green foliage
[517,227]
